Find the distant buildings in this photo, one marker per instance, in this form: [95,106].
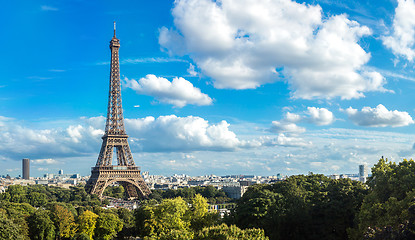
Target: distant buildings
[235,192]
[26,168]
[233,185]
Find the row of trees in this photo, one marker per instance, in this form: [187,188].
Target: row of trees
[301,207]
[317,207]
[22,221]
[177,219]
[212,194]
[40,212]
[39,195]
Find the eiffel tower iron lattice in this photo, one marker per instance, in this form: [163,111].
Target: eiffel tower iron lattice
[125,172]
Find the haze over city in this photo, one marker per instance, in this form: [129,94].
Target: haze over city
[225,87]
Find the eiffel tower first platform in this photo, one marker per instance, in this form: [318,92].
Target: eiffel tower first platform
[125,172]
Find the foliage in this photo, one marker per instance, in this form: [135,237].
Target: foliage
[223,232]
[81,236]
[39,195]
[199,215]
[41,226]
[114,191]
[87,223]
[8,229]
[401,232]
[37,199]
[107,226]
[167,218]
[211,193]
[174,218]
[64,222]
[301,207]
[392,192]
[16,193]
[18,212]
[127,217]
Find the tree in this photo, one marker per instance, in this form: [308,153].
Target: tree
[37,199]
[127,217]
[114,191]
[40,226]
[107,226]
[87,222]
[64,222]
[81,236]
[18,212]
[392,190]
[402,232]
[301,207]
[223,232]
[17,193]
[8,229]
[168,220]
[199,215]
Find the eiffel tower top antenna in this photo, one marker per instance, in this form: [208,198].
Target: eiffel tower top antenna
[114,29]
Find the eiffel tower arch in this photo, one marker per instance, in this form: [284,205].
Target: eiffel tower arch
[115,142]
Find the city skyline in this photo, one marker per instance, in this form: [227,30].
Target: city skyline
[210,87]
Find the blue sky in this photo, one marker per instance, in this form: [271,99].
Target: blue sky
[210,87]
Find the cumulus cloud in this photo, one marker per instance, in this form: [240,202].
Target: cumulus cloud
[178,92]
[314,115]
[18,141]
[401,40]
[172,133]
[45,161]
[319,116]
[289,132]
[191,70]
[285,141]
[242,47]
[286,127]
[379,117]
[292,117]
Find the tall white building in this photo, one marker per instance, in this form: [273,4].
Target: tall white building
[363,173]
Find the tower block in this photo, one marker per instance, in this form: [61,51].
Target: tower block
[125,171]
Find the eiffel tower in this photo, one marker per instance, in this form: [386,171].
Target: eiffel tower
[125,172]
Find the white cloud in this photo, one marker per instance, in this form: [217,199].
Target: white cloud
[75,133]
[17,141]
[402,39]
[241,47]
[191,70]
[196,146]
[44,161]
[314,115]
[379,117]
[286,127]
[172,133]
[292,117]
[178,92]
[319,116]
[285,141]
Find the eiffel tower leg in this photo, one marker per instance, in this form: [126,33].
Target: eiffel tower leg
[99,188]
[130,190]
